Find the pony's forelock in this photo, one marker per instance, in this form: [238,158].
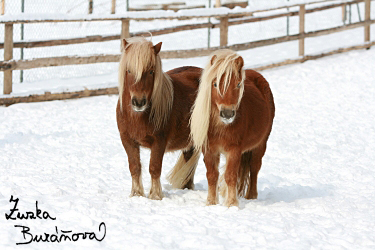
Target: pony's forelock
[138,56]
[224,63]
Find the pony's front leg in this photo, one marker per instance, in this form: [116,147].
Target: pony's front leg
[156,161]
[135,167]
[211,160]
[231,175]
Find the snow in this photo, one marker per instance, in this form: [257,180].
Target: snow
[315,187]
[160,14]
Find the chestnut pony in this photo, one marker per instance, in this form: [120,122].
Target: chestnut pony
[233,114]
[153,111]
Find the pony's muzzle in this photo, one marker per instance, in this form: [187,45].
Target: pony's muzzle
[227,115]
[139,105]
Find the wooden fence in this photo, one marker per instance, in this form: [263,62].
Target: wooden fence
[8,65]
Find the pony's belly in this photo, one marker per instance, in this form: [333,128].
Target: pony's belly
[178,140]
[180,146]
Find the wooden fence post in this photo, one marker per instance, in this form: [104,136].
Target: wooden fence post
[217,4]
[343,13]
[2,7]
[8,55]
[367,18]
[302,11]
[224,31]
[124,30]
[113,10]
[91,6]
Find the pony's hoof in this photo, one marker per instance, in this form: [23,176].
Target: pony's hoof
[189,185]
[231,203]
[155,196]
[252,196]
[136,193]
[211,202]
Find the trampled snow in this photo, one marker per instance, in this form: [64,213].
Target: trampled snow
[316,186]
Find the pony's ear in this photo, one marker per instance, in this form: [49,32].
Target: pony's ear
[157,48]
[239,61]
[213,59]
[124,43]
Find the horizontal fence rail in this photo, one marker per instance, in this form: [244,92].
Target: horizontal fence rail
[48,96]
[74,60]
[224,16]
[57,42]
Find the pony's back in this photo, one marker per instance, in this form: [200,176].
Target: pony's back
[263,86]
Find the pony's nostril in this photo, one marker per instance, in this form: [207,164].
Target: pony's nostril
[139,103]
[227,113]
[143,102]
[134,102]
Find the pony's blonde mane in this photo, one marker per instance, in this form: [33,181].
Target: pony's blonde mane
[223,64]
[138,56]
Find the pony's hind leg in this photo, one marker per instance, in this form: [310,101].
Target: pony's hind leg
[255,165]
[212,161]
[187,156]
[156,160]
[231,175]
[135,167]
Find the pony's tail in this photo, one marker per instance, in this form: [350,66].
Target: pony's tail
[243,179]
[183,172]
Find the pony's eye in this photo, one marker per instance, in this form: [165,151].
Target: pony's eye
[215,85]
[239,85]
[129,71]
[151,72]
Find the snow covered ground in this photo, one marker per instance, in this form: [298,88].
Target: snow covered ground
[316,186]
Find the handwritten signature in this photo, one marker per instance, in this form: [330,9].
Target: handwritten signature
[64,236]
[59,236]
[28,215]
